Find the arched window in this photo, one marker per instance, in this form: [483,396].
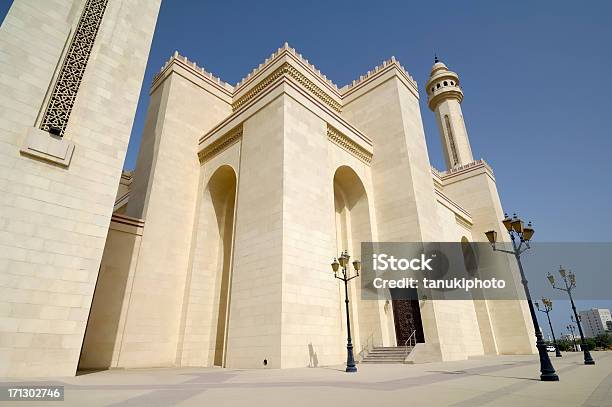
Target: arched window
[438,86]
[445,83]
[451,141]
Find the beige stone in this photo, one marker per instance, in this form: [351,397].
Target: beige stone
[57,192]
[216,249]
[247,193]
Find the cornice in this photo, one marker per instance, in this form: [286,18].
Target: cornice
[288,70]
[127,220]
[444,94]
[291,89]
[287,51]
[126,177]
[341,140]
[463,222]
[466,170]
[222,143]
[333,135]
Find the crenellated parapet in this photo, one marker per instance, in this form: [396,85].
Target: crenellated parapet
[391,62]
[198,69]
[471,166]
[287,71]
[278,53]
[283,62]
[443,179]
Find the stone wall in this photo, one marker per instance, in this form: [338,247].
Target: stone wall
[55,211]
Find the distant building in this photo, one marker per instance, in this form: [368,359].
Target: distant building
[595,321]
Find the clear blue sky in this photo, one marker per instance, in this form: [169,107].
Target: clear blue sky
[535,76]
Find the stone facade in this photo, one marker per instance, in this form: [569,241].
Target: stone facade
[215,251]
[70,77]
[247,192]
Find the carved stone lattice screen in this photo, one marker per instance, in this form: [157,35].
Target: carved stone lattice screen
[73,68]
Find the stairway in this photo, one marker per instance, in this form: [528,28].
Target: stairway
[387,355]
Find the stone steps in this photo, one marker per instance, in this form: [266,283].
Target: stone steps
[387,355]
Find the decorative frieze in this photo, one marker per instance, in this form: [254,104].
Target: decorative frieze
[465,167]
[223,142]
[287,50]
[288,69]
[338,138]
[64,93]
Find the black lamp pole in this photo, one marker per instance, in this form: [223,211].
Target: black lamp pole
[571,328]
[343,262]
[547,308]
[569,280]
[517,230]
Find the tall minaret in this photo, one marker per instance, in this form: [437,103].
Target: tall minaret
[444,96]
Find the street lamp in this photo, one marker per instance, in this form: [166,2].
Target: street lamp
[569,280]
[571,328]
[343,262]
[546,309]
[518,231]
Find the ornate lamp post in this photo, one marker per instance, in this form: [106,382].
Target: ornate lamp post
[343,262]
[571,328]
[569,280]
[547,308]
[518,231]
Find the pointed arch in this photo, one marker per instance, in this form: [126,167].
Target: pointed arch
[353,226]
[208,288]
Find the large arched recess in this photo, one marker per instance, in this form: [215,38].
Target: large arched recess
[470,261]
[209,285]
[353,226]
[222,191]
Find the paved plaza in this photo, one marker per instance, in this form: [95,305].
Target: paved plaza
[500,381]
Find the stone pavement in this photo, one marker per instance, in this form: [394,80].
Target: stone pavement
[500,381]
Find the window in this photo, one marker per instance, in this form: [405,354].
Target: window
[451,140]
[73,67]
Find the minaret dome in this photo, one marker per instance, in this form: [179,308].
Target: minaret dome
[442,84]
[444,97]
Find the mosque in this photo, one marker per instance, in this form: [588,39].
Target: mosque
[216,249]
